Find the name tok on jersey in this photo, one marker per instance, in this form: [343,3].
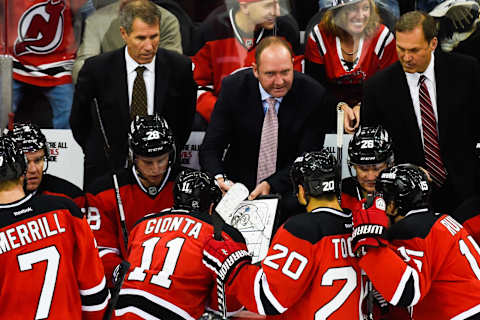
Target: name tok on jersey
[28,232]
[189,227]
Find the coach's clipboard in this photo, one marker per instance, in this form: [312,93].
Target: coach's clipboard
[256,220]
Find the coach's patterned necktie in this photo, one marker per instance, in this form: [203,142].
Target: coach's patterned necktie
[139,95]
[431,147]
[267,157]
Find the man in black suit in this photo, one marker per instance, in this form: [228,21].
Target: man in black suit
[238,119]
[110,79]
[392,98]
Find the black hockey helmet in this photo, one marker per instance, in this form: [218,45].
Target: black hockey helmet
[316,172]
[370,145]
[407,185]
[12,160]
[29,137]
[150,136]
[195,191]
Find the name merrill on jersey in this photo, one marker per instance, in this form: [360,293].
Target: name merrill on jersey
[188,226]
[28,232]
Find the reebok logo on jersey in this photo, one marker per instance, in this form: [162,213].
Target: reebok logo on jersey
[20,212]
[369,229]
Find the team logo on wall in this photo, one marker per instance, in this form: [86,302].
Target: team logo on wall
[40,28]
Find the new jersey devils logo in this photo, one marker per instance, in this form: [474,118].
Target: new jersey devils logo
[40,29]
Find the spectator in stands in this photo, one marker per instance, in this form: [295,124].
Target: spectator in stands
[265,117]
[390,5]
[227,42]
[42,43]
[426,101]
[102,33]
[34,145]
[347,47]
[139,79]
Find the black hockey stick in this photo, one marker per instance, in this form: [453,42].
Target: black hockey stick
[369,284]
[114,176]
[118,278]
[340,129]
[230,201]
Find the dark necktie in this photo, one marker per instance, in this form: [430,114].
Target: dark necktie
[139,95]
[267,157]
[431,147]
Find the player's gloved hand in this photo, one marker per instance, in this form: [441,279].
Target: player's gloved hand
[119,273]
[461,15]
[369,226]
[222,257]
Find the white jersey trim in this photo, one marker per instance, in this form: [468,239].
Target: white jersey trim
[386,34]
[409,272]
[97,307]
[156,300]
[466,314]
[270,296]
[320,39]
[256,292]
[94,289]
[102,251]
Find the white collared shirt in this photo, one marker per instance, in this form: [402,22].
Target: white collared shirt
[148,76]
[265,95]
[414,86]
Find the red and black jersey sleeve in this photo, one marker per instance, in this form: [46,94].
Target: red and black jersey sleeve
[431,262]
[468,214]
[49,262]
[309,269]
[167,279]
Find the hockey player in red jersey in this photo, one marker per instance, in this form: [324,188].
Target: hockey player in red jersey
[166,279]
[310,270]
[369,152]
[34,145]
[227,42]
[49,264]
[144,187]
[432,261]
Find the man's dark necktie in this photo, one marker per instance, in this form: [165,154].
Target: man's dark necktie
[431,147]
[139,95]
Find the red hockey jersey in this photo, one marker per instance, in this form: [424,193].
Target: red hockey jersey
[433,265]
[104,218]
[167,279]
[49,264]
[223,51]
[468,214]
[309,273]
[345,81]
[41,40]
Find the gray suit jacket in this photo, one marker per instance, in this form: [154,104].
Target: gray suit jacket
[102,34]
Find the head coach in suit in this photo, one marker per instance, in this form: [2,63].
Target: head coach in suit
[428,101]
[238,121]
[110,78]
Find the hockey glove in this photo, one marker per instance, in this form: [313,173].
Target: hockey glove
[369,226]
[222,257]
